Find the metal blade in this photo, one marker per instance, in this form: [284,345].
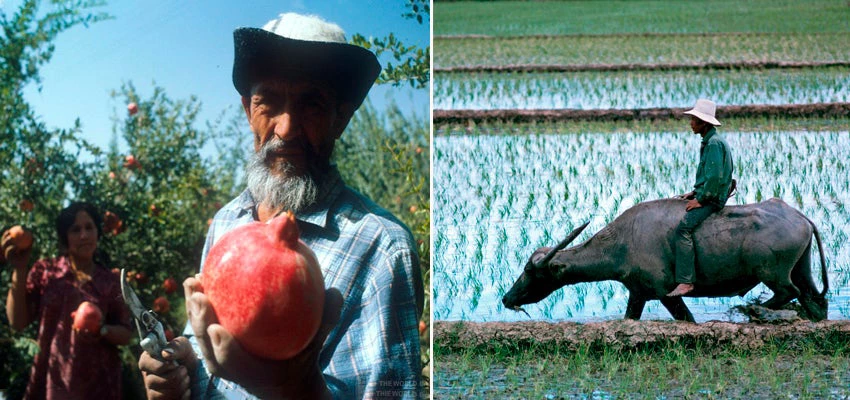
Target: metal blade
[131,299]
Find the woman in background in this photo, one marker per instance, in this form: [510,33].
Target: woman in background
[70,364]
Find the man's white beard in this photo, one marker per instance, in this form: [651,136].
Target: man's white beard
[279,188]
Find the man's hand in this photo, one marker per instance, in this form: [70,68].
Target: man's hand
[169,378]
[298,377]
[692,203]
[687,196]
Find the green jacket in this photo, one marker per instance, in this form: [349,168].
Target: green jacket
[714,172]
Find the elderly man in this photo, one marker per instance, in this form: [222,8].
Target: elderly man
[711,190]
[300,85]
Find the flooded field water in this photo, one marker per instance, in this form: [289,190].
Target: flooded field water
[631,89]
[499,197]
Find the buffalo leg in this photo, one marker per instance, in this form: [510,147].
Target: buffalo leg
[677,308]
[781,295]
[635,307]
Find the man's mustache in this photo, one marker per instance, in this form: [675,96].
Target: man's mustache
[277,144]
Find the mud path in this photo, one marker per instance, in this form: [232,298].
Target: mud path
[516,115]
[539,68]
[598,35]
[624,334]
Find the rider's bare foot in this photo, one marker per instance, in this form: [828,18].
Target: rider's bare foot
[681,290]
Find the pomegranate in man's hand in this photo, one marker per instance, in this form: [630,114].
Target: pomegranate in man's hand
[266,287]
[87,318]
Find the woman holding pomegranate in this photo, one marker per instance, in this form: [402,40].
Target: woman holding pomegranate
[77,302]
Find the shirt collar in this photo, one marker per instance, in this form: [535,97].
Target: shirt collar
[711,132]
[316,214]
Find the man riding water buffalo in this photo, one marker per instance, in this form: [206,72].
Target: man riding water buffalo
[736,247]
[711,190]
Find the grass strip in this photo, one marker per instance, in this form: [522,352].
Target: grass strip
[513,18]
[669,371]
[642,49]
[813,365]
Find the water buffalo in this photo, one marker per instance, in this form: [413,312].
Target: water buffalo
[736,249]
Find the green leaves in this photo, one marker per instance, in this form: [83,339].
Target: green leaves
[409,64]
[419,10]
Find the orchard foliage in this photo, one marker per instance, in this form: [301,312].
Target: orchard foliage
[409,64]
[160,190]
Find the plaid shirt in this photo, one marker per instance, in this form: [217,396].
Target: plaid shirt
[370,257]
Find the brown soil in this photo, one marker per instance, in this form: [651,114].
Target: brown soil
[455,336]
[786,111]
[582,35]
[540,68]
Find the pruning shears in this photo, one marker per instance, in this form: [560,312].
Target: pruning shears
[151,332]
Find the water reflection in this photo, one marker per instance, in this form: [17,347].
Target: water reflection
[497,198]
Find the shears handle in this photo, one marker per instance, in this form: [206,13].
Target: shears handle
[150,344]
[153,340]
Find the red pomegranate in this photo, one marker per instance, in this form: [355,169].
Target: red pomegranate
[266,287]
[87,318]
[161,305]
[21,238]
[130,162]
[170,285]
[26,205]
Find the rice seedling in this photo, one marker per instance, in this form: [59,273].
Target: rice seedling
[635,89]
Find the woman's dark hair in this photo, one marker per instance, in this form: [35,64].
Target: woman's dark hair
[66,219]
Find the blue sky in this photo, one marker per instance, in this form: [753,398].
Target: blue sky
[186,47]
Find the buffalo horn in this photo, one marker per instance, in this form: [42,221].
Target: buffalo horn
[518,308]
[572,236]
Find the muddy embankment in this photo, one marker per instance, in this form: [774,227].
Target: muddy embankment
[626,334]
[547,68]
[599,35]
[813,110]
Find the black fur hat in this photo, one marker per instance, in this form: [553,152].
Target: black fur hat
[303,48]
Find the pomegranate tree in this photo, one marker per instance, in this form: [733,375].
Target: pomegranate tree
[87,318]
[266,287]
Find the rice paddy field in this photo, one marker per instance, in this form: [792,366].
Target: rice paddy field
[503,189]
[639,89]
[501,195]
